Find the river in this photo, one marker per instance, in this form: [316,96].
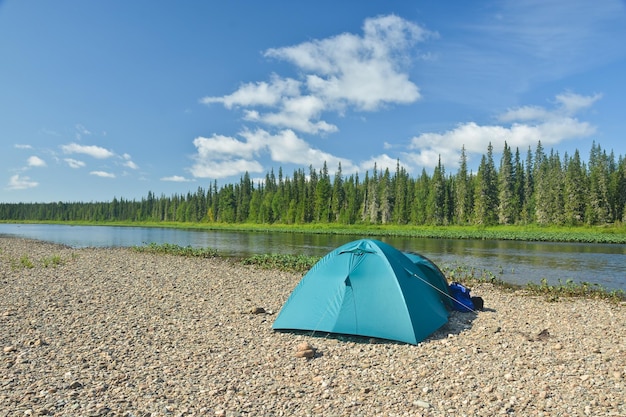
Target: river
[512,261]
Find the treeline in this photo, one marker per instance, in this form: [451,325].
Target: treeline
[539,188]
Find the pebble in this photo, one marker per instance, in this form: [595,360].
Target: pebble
[421,404]
[113,332]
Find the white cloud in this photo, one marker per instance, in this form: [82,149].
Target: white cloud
[573,103]
[22,146]
[381,162]
[131,165]
[102,174]
[295,113]
[128,162]
[527,125]
[223,156]
[20,183]
[176,178]
[524,113]
[73,163]
[224,168]
[91,150]
[361,71]
[345,71]
[567,105]
[259,94]
[35,161]
[287,147]
[430,158]
[220,147]
[81,131]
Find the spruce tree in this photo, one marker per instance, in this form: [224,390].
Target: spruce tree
[386,197]
[373,198]
[598,211]
[620,191]
[422,189]
[506,188]
[527,214]
[338,196]
[462,192]
[401,195]
[555,196]
[323,192]
[518,187]
[244,197]
[436,202]
[542,186]
[486,195]
[574,189]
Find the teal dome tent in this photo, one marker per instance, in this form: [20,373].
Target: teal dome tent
[430,271]
[367,288]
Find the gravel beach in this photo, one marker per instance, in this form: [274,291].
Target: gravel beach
[95,332]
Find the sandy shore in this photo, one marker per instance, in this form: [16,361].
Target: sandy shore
[119,333]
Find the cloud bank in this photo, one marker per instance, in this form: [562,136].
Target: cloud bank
[347,72]
[521,127]
[363,73]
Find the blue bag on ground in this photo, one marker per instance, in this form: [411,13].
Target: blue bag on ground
[461,294]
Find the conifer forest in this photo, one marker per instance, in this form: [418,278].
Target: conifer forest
[537,187]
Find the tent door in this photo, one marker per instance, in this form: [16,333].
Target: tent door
[347,321]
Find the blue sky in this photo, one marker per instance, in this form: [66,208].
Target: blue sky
[118,98]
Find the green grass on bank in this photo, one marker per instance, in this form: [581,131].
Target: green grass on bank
[468,276]
[25,262]
[551,292]
[583,234]
[172,249]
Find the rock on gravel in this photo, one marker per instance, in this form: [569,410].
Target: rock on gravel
[112,332]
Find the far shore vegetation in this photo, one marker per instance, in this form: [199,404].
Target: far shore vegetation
[542,196]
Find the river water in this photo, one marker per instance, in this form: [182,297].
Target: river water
[511,261]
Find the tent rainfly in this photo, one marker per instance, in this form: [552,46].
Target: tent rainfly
[369,288]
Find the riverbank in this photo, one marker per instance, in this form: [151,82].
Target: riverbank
[118,332]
